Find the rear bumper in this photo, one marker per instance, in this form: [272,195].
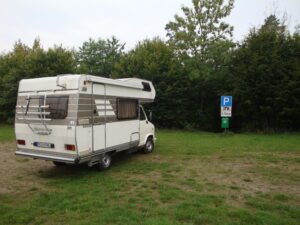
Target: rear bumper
[46,155]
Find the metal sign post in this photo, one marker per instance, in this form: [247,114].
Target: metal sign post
[226,111]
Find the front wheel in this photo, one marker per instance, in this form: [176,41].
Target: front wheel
[149,146]
[104,162]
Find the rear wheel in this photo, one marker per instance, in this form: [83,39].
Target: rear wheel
[59,164]
[149,146]
[104,162]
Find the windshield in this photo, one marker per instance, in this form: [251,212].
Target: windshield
[142,114]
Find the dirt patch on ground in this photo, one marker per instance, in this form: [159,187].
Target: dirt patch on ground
[18,174]
[234,177]
[249,175]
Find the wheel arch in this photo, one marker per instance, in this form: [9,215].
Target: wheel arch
[150,135]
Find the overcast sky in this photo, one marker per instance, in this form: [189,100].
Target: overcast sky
[71,22]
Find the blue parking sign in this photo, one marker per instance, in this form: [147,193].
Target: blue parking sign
[226,101]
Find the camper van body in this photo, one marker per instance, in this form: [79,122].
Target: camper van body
[80,118]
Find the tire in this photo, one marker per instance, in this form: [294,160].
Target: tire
[104,162]
[59,164]
[149,146]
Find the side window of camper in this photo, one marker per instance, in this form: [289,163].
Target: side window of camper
[58,106]
[127,109]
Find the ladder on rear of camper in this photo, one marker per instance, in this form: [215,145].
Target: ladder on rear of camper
[40,120]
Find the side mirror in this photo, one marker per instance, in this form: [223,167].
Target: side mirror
[150,115]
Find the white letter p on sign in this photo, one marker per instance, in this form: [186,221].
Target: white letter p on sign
[225,101]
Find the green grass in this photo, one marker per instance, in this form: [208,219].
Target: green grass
[191,178]
[201,143]
[6,133]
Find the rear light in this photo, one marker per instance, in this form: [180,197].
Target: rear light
[70,147]
[21,142]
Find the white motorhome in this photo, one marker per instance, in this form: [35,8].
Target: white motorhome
[73,119]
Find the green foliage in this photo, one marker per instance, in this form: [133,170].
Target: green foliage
[98,57]
[201,41]
[25,62]
[199,28]
[155,60]
[191,70]
[267,78]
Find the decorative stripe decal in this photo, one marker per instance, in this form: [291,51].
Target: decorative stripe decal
[97,108]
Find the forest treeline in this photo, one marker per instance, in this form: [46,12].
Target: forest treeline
[196,64]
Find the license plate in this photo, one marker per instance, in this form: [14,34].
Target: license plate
[43,145]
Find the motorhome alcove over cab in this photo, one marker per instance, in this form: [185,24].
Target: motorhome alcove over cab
[72,119]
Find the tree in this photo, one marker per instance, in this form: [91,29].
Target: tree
[199,28]
[272,24]
[267,79]
[201,40]
[25,62]
[99,57]
[155,60]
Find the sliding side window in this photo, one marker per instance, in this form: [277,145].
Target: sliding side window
[127,109]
